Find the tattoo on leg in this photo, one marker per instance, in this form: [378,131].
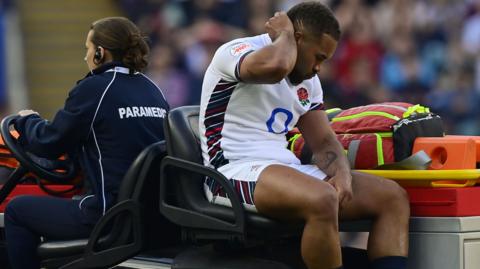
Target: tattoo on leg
[326,160]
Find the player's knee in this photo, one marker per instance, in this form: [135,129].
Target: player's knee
[323,203]
[397,199]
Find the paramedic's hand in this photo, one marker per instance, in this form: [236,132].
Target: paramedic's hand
[278,24]
[342,182]
[27,112]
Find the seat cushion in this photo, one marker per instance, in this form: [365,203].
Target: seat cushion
[57,249]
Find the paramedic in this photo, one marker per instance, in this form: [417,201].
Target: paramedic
[258,88]
[111,115]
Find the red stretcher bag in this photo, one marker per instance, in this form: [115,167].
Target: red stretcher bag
[377,134]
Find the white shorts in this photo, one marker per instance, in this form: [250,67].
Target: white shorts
[243,176]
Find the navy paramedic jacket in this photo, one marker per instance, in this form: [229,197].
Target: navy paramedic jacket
[109,117]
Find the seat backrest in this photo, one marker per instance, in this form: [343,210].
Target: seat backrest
[181,134]
[141,184]
[182,137]
[131,188]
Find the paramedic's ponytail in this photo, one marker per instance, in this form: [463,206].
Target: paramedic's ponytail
[123,39]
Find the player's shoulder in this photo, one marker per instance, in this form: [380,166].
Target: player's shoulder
[240,45]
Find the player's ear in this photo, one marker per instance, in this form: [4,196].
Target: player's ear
[298,35]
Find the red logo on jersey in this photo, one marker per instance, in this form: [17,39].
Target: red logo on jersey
[303,96]
[240,48]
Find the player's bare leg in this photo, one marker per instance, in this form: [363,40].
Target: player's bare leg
[386,203]
[287,194]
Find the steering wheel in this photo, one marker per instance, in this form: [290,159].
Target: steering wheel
[56,171]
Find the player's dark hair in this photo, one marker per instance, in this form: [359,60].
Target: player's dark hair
[123,39]
[317,18]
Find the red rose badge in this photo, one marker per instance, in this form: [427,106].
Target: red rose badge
[303,96]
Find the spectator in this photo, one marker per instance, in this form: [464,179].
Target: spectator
[164,71]
[407,43]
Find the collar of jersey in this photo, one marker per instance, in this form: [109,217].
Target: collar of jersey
[110,67]
[120,69]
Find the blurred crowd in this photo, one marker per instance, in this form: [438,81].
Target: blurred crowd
[418,51]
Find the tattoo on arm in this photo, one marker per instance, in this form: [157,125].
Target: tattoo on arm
[326,160]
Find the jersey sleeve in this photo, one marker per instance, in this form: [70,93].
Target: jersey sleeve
[317,96]
[229,57]
[70,126]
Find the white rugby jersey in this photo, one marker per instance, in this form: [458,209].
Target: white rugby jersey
[243,121]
